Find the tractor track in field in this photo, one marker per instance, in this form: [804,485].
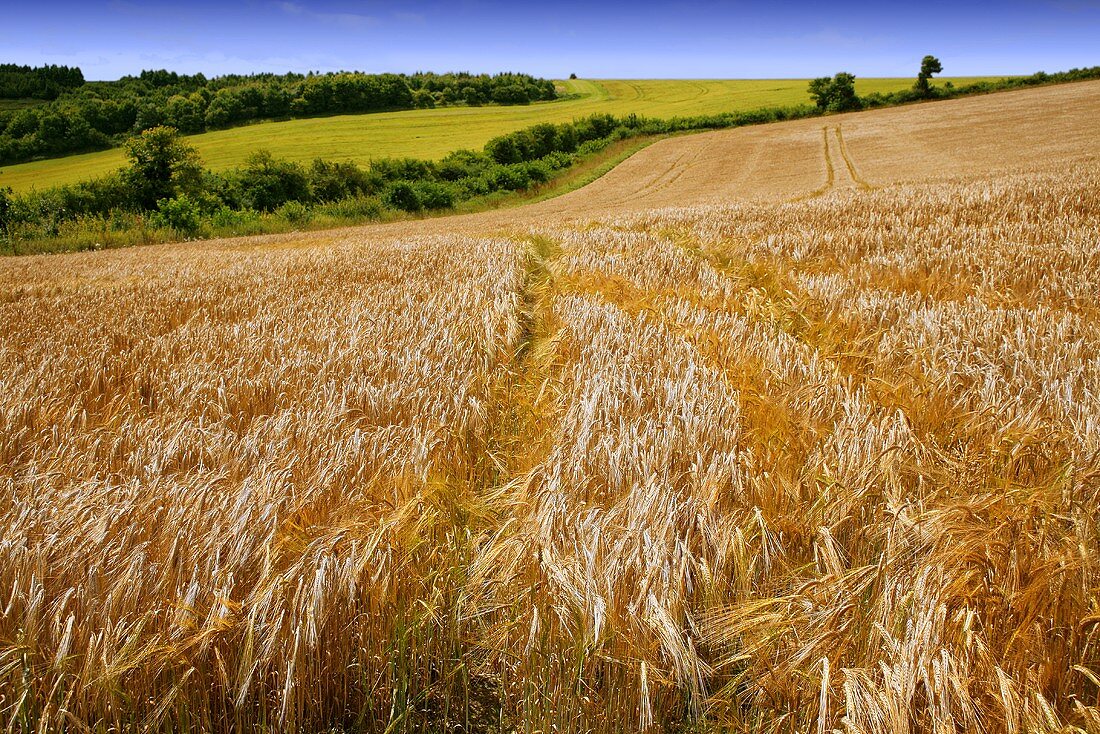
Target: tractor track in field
[840,172]
[853,176]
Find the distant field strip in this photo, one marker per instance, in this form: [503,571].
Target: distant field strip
[431,134]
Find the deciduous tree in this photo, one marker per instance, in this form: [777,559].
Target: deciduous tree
[161,166]
[929,65]
[837,94]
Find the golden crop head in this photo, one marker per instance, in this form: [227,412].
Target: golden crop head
[827,464]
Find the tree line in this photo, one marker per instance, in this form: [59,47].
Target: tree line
[38,82]
[838,93]
[97,115]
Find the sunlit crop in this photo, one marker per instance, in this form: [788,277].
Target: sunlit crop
[828,464]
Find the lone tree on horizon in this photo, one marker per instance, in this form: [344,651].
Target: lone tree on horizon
[837,94]
[929,65]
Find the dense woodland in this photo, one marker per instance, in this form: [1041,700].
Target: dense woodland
[41,82]
[82,116]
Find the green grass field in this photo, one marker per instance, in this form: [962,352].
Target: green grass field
[434,133]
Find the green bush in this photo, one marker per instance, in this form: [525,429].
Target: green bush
[401,169]
[332,181]
[504,149]
[403,196]
[181,214]
[589,147]
[433,195]
[294,212]
[509,178]
[161,165]
[5,210]
[226,219]
[475,186]
[837,94]
[266,183]
[357,208]
[538,172]
[463,164]
[39,211]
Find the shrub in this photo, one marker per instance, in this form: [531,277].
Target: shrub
[594,127]
[331,181]
[837,94]
[433,195]
[225,218]
[475,186]
[543,140]
[99,196]
[41,211]
[401,169]
[557,161]
[267,183]
[182,214]
[537,172]
[355,208]
[463,164]
[511,94]
[567,138]
[294,212]
[503,149]
[5,210]
[403,196]
[510,178]
[589,147]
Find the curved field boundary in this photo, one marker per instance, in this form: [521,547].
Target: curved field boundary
[431,134]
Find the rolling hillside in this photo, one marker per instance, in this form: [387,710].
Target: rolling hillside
[777,429]
[432,134]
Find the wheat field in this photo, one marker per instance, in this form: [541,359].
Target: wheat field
[790,429]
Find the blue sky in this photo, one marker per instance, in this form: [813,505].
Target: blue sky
[641,39]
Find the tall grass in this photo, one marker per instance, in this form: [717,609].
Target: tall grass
[827,465]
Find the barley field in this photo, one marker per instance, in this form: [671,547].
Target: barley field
[784,429]
[432,134]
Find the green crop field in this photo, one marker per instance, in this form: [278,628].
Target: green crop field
[434,133]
